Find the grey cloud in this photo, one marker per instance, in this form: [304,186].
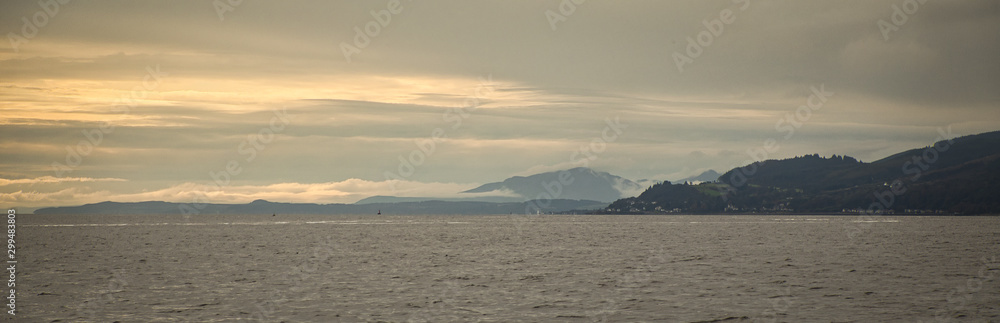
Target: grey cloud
[607,59]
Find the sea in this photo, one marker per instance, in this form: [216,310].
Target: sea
[506,268]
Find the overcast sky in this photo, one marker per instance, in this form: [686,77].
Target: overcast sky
[133,101]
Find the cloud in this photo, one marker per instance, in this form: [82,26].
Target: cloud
[52,179]
[553,89]
[347,191]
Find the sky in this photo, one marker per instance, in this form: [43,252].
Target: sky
[229,101]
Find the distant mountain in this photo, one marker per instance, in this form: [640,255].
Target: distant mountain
[580,184]
[394,199]
[960,176]
[265,207]
[706,176]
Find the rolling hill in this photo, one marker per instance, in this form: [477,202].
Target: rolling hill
[957,176]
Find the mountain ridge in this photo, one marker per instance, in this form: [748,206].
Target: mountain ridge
[707,176]
[952,176]
[397,199]
[267,207]
[578,183]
